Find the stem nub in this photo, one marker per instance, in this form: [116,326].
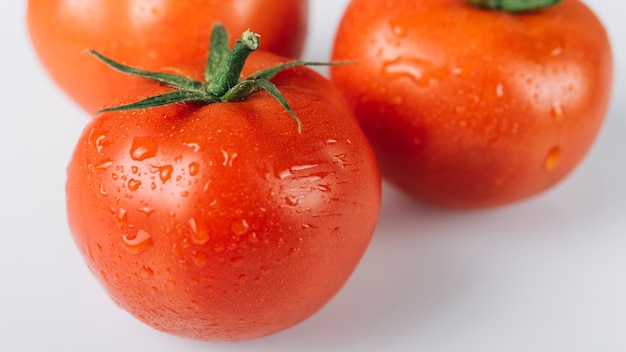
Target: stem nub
[514,5]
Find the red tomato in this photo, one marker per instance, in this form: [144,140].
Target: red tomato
[471,108]
[222,222]
[147,34]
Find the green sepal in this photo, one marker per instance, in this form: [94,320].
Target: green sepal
[273,91]
[270,72]
[175,81]
[514,5]
[173,97]
[218,51]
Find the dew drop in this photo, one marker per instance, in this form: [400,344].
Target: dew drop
[253,237]
[102,190]
[133,184]
[553,158]
[146,210]
[121,217]
[165,172]
[105,164]
[138,243]
[200,258]
[194,146]
[500,90]
[228,158]
[100,143]
[292,200]
[236,261]
[413,69]
[146,271]
[240,227]
[194,168]
[199,233]
[398,30]
[557,111]
[143,148]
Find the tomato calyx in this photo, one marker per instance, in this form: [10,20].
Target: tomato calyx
[514,5]
[222,81]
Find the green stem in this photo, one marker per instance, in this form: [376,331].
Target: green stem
[514,5]
[228,74]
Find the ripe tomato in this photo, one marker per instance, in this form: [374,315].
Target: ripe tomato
[148,34]
[221,221]
[470,108]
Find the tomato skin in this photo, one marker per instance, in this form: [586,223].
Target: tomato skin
[149,35]
[468,108]
[221,222]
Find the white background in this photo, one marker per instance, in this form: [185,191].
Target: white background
[547,274]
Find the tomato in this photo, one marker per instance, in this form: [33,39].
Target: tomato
[471,108]
[222,221]
[147,34]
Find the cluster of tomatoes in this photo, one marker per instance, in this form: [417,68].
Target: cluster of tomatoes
[222,219]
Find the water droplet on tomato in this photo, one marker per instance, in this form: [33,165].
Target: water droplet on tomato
[413,69]
[137,243]
[229,158]
[253,237]
[164,172]
[292,200]
[194,146]
[200,258]
[553,158]
[146,210]
[499,90]
[398,30]
[194,168]
[102,190]
[199,233]
[557,111]
[240,227]
[146,271]
[133,184]
[236,261]
[121,217]
[105,164]
[323,188]
[285,174]
[143,148]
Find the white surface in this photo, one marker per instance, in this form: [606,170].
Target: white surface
[548,274]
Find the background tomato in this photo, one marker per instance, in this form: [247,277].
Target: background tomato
[148,34]
[471,108]
[222,222]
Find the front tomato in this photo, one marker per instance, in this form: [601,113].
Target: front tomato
[148,34]
[222,221]
[471,108]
